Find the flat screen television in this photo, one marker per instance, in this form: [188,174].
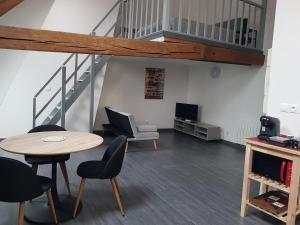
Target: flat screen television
[186,111]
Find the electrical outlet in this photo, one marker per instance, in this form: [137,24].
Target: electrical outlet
[284,107]
[293,108]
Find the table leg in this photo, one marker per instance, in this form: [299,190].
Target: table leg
[54,184]
[293,196]
[246,181]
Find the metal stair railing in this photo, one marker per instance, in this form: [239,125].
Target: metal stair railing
[64,80]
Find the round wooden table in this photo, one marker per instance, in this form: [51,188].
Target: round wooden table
[38,210]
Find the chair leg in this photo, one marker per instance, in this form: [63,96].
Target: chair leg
[118,187]
[51,203]
[155,144]
[81,187]
[126,148]
[65,174]
[21,213]
[117,195]
[35,168]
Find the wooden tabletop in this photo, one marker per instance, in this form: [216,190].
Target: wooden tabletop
[32,144]
[261,143]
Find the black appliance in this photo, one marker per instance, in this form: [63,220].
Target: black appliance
[270,127]
[186,111]
[272,167]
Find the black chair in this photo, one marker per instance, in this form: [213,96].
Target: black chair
[107,168]
[20,184]
[35,161]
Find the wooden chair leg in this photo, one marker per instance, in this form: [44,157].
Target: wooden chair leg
[35,168]
[21,213]
[51,203]
[117,186]
[81,187]
[126,148]
[155,144]
[65,174]
[117,195]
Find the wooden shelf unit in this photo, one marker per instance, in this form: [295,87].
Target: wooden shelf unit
[200,130]
[254,144]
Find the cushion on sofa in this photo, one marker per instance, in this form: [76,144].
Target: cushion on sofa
[147,128]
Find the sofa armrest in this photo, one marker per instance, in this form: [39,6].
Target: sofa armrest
[147,128]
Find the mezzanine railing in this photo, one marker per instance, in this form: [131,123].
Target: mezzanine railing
[233,22]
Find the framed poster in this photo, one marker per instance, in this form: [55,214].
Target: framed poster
[154,83]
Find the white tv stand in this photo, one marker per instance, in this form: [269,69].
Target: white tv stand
[200,130]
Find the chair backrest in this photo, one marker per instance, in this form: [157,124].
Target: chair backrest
[120,121]
[18,182]
[114,156]
[45,128]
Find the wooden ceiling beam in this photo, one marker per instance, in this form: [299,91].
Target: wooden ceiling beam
[6,5]
[53,41]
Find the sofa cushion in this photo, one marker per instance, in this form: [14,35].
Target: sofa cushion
[146,128]
[147,136]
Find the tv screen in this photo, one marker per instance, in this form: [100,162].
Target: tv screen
[186,111]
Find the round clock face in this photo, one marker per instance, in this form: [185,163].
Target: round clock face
[215,72]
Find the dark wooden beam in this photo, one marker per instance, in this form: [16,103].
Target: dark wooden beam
[6,5]
[53,41]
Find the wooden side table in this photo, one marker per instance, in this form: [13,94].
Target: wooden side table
[254,144]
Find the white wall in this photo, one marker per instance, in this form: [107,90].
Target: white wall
[10,60]
[124,90]
[37,67]
[284,77]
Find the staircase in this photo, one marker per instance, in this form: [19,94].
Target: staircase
[68,92]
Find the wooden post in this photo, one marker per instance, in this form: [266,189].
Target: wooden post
[246,181]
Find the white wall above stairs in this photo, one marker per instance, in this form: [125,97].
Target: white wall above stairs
[79,16]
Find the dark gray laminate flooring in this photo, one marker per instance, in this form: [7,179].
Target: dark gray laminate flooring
[186,182]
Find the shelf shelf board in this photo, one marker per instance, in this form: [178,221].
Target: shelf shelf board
[269,182]
[279,217]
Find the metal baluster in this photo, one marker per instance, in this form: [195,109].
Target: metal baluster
[136,18]
[75,72]
[236,20]
[166,15]
[248,25]
[152,5]
[180,16]
[198,18]
[122,18]
[63,96]
[229,21]
[189,17]
[157,15]
[222,20]
[214,20]
[146,17]
[206,18]
[254,29]
[34,112]
[141,18]
[92,85]
[242,25]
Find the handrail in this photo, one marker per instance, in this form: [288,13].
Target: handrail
[107,14]
[36,115]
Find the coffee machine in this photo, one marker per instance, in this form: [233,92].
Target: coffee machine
[270,126]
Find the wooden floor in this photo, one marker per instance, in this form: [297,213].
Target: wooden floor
[186,182]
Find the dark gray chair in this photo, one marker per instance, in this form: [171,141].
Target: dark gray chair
[107,168]
[35,161]
[20,184]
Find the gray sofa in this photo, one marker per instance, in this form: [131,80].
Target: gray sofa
[124,123]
